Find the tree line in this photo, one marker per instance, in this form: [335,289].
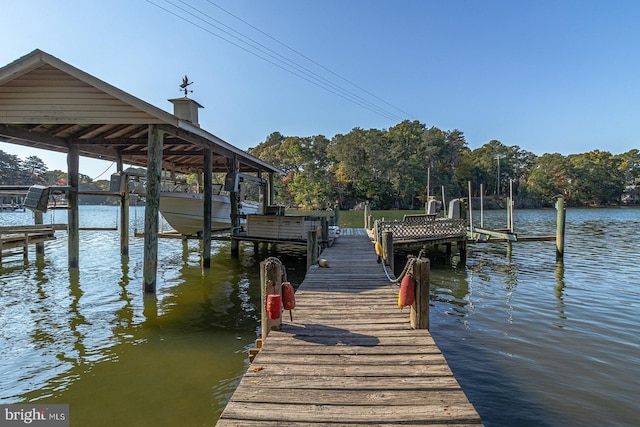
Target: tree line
[400,167]
[33,171]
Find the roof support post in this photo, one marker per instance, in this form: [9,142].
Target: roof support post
[73,227]
[235,219]
[154,171]
[124,210]
[272,191]
[208,194]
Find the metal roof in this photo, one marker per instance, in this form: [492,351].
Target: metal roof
[46,103]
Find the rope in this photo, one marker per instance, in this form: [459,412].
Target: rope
[406,269]
[105,171]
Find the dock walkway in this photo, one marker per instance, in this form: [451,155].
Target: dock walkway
[349,357]
[15,240]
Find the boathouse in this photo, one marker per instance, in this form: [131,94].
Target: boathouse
[48,104]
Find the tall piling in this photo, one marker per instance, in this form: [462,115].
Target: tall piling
[420,307]
[270,284]
[560,227]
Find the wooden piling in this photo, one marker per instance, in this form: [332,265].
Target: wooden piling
[324,224]
[367,212]
[154,170]
[124,209]
[560,227]
[270,284]
[234,196]
[387,248]
[208,194]
[312,248]
[420,307]
[124,219]
[509,217]
[73,161]
[39,220]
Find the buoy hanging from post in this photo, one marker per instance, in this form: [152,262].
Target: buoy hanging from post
[274,304]
[379,252]
[288,296]
[406,295]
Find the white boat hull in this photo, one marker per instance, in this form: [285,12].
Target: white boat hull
[184,211]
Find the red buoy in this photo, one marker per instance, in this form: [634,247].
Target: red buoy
[274,304]
[288,296]
[407,291]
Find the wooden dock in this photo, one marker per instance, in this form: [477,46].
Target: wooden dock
[349,357]
[15,240]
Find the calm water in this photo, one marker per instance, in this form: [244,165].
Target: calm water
[532,342]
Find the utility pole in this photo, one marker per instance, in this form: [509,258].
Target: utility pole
[498,157]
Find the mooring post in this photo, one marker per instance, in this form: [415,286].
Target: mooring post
[420,307]
[462,244]
[560,226]
[366,214]
[324,223]
[270,284]
[387,248]
[509,225]
[312,248]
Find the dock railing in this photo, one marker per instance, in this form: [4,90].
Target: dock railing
[423,227]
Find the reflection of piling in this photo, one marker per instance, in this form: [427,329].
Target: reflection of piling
[560,226]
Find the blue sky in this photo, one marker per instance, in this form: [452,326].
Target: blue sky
[547,76]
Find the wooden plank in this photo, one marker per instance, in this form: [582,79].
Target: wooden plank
[349,356]
[336,397]
[350,414]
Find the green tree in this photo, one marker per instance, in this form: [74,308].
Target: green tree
[550,176]
[410,171]
[34,169]
[10,169]
[630,166]
[597,178]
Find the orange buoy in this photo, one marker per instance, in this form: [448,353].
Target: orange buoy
[288,296]
[274,304]
[407,291]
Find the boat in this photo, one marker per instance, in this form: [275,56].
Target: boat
[184,211]
[334,232]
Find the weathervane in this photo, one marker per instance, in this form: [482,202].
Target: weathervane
[185,83]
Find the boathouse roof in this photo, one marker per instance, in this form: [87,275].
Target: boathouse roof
[48,104]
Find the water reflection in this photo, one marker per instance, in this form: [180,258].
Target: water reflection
[76,319]
[559,292]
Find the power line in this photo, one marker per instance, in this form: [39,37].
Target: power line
[262,53]
[309,59]
[320,81]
